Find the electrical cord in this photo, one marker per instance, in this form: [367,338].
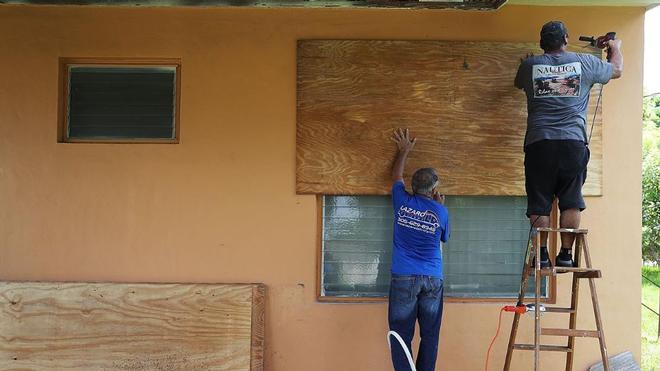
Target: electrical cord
[593,121]
[519,307]
[490,347]
[527,250]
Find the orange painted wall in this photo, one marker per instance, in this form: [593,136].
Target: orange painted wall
[221,206]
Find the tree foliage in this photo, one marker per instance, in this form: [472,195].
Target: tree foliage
[651,180]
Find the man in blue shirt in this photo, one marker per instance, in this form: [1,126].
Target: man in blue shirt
[420,224]
[557,85]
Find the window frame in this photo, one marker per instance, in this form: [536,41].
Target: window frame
[63,95]
[552,280]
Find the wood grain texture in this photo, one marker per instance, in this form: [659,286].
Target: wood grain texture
[258,328]
[456,97]
[110,326]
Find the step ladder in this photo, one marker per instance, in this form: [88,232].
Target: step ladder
[571,332]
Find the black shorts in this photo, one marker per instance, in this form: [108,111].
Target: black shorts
[555,168]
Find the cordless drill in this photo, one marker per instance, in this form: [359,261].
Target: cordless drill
[600,42]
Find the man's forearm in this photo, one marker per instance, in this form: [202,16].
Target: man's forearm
[616,59]
[399,164]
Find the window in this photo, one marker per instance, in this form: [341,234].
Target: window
[482,260]
[119,101]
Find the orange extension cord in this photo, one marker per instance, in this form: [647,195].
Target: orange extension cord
[507,308]
[490,347]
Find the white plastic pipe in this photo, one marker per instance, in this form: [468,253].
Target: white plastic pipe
[403,345]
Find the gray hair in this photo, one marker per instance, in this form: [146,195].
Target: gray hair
[424,180]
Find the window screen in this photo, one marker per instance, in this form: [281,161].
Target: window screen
[482,259]
[111,102]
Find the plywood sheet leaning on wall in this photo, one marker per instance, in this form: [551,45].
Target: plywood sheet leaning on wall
[456,97]
[110,326]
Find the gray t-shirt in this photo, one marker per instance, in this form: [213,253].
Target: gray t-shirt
[557,88]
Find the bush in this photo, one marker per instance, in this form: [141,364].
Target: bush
[651,180]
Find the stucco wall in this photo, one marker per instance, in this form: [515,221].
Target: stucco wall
[221,206]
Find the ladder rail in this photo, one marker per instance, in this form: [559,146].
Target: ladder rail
[516,316]
[575,295]
[537,301]
[594,301]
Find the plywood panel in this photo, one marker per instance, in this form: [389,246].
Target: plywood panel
[456,97]
[108,326]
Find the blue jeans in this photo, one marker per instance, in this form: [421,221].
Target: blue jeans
[415,298]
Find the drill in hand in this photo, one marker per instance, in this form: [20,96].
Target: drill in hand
[600,42]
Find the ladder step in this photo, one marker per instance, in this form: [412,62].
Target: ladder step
[574,269]
[563,230]
[559,310]
[594,274]
[546,348]
[579,272]
[569,332]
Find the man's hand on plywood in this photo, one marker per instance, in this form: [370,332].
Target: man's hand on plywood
[405,144]
[403,141]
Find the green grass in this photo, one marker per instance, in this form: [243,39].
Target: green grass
[650,342]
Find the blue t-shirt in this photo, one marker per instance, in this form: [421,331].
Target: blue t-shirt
[420,223]
[557,88]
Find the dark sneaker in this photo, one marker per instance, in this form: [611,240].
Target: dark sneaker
[545,259]
[565,260]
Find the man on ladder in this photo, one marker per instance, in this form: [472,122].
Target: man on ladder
[557,85]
